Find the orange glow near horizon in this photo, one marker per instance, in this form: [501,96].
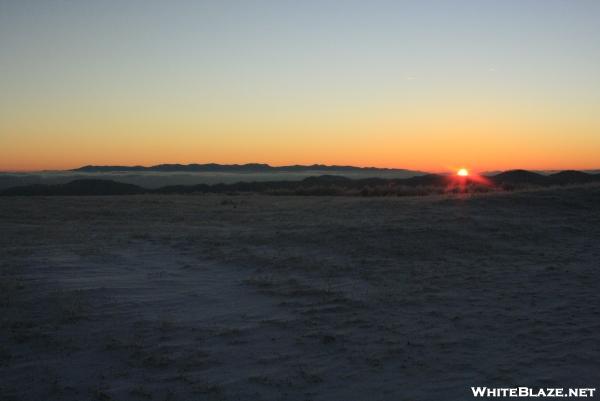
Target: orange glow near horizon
[428,136]
[434,142]
[65,160]
[430,139]
[69,145]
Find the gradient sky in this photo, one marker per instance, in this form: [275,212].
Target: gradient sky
[411,84]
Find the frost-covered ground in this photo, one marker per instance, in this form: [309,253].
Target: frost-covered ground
[268,298]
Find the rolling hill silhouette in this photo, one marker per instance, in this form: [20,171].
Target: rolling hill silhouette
[317,185]
[573,177]
[521,177]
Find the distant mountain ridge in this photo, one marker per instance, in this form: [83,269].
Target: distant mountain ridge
[317,185]
[235,168]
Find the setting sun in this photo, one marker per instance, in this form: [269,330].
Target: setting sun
[463,172]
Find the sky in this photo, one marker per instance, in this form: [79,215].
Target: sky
[428,85]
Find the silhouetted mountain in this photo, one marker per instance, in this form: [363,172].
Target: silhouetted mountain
[319,185]
[520,177]
[572,177]
[428,179]
[235,168]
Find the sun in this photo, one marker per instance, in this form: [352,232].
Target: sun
[463,172]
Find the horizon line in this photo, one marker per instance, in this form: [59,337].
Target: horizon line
[481,171]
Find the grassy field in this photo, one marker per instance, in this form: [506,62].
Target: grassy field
[298,298]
